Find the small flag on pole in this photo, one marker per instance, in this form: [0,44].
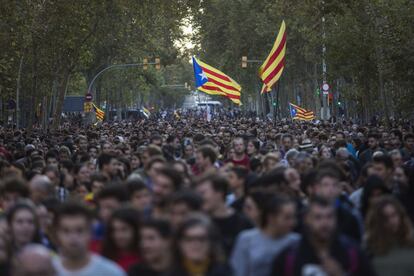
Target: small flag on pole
[146,112]
[299,113]
[99,113]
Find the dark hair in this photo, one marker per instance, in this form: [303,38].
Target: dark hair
[255,143]
[272,206]
[104,159]
[241,172]
[153,160]
[189,198]
[208,152]
[135,185]
[72,209]
[173,175]
[25,206]
[161,226]
[99,178]
[318,201]
[128,216]
[372,184]
[216,251]
[379,239]
[14,185]
[116,191]
[373,135]
[51,154]
[218,183]
[408,136]
[384,159]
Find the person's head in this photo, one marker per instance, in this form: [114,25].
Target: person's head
[396,158]
[153,166]
[278,215]
[213,189]
[292,176]
[98,182]
[23,225]
[41,188]
[165,183]
[181,205]
[388,226]
[196,241]
[73,223]
[109,199]
[287,142]
[82,173]
[320,219]
[33,259]
[155,240]
[373,189]
[303,163]
[372,141]
[93,151]
[156,140]
[188,150]
[253,147]
[122,233]
[107,164]
[326,185]
[271,161]
[291,156]
[227,137]
[325,152]
[51,159]
[382,166]
[205,157]
[253,206]
[82,143]
[237,177]
[12,190]
[239,146]
[409,141]
[342,156]
[140,195]
[136,161]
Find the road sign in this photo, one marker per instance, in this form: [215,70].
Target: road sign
[326,92]
[325,87]
[88,97]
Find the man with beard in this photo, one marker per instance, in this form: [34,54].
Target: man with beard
[321,251]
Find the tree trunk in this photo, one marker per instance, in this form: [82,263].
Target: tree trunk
[61,91]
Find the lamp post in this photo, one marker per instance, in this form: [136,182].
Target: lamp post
[144,65]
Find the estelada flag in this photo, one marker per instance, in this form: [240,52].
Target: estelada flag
[214,82]
[299,113]
[272,68]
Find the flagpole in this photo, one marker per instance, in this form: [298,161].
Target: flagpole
[277,99]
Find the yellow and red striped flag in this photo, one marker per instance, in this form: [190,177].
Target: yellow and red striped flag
[299,113]
[273,66]
[99,113]
[214,82]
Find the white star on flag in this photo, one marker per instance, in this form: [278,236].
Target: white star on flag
[203,75]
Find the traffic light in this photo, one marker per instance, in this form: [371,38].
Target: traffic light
[145,64]
[244,61]
[318,91]
[157,63]
[339,103]
[274,103]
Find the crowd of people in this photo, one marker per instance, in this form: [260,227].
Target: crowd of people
[185,196]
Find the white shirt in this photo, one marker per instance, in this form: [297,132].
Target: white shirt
[97,266]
